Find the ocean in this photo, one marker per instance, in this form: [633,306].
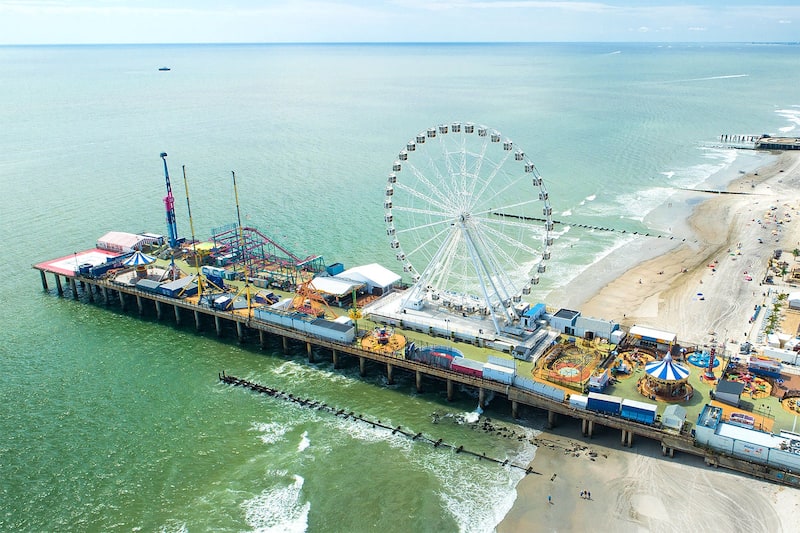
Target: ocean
[115,423]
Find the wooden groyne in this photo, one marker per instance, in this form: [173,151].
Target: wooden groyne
[585,226]
[376,424]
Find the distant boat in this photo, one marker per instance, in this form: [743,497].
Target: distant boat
[164,68]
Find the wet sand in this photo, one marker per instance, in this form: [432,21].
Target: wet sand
[637,489]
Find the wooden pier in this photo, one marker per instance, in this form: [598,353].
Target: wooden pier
[759,142]
[128,298]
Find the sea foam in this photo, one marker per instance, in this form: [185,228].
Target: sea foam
[279,509]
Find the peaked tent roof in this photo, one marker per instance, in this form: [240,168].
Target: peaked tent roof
[138,259]
[335,286]
[667,370]
[373,273]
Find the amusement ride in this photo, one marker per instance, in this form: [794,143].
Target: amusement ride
[469,219]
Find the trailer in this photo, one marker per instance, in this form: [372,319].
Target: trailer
[644,413]
[603,403]
[470,367]
[495,372]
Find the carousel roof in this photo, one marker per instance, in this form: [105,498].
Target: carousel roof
[667,370]
[138,259]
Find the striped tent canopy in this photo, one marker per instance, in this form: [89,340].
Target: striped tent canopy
[667,370]
[138,259]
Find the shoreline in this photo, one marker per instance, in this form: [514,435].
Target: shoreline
[634,489]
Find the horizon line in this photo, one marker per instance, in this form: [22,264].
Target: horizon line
[316,43]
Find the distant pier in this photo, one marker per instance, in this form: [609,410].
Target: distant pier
[759,142]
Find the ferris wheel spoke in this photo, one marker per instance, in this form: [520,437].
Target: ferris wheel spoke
[490,178]
[427,242]
[503,222]
[446,217]
[443,198]
[443,203]
[491,250]
[501,210]
[516,243]
[425,226]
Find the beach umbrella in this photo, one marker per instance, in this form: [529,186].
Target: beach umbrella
[138,259]
[667,370]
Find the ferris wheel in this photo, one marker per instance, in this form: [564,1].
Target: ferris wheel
[469,219]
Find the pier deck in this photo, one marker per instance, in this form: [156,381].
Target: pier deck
[244,323]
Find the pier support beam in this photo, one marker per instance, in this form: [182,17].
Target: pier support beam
[419,380]
[139,304]
[551,419]
[59,288]
[285,345]
[481,397]
[590,428]
[261,338]
[240,331]
[218,325]
[44,280]
[197,320]
[584,426]
[450,389]
[335,357]
[514,409]
[177,310]
[105,294]
[158,310]
[362,366]
[309,352]
[121,299]
[74,287]
[390,374]
[90,291]
[627,438]
[666,450]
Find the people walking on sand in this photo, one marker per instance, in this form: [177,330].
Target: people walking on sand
[583,493]
[549,499]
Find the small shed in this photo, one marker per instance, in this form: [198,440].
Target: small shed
[729,392]
[563,321]
[674,416]
[589,328]
[794,300]
[532,314]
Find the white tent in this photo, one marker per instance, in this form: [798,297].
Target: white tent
[335,286]
[373,275]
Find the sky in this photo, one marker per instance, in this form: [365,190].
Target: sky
[313,21]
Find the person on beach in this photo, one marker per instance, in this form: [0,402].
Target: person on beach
[549,499]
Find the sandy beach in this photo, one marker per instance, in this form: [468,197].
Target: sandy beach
[700,290]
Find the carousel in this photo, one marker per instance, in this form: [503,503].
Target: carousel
[383,339]
[140,261]
[666,380]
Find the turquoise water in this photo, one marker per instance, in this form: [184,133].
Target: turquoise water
[111,422]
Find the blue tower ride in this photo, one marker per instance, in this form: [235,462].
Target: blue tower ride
[169,203]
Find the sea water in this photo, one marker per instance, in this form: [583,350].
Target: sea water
[112,422]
